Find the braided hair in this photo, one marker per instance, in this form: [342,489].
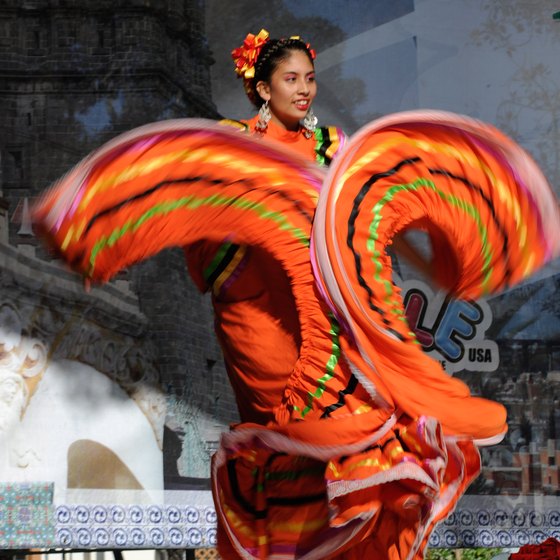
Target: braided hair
[272,54]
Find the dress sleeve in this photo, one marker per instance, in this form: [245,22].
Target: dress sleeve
[242,126]
[330,141]
[205,259]
[213,266]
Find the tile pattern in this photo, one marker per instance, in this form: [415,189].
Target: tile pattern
[26,515]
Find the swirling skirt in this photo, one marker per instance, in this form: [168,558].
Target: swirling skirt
[279,495]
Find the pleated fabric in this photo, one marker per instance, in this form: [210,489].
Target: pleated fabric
[492,220]
[364,443]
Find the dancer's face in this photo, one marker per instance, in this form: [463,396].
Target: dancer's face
[291,90]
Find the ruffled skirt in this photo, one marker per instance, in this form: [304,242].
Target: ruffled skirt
[284,493]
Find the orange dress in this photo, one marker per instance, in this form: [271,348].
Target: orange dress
[353,443]
[271,500]
[257,322]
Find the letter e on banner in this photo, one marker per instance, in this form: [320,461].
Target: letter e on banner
[451,331]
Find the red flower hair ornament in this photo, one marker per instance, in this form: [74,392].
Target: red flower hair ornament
[245,57]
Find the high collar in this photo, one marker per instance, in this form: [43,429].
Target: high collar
[275,131]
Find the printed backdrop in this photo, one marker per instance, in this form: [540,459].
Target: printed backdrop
[112,401]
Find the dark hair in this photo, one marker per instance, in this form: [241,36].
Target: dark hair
[272,54]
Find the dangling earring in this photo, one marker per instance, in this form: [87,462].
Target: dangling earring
[310,123]
[264,117]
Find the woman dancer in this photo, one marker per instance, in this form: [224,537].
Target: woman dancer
[353,442]
[257,322]
[284,372]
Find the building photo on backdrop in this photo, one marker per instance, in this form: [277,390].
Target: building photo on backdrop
[113,397]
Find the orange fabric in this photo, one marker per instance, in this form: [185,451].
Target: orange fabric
[256,320]
[293,140]
[426,179]
[258,330]
[354,443]
[374,503]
